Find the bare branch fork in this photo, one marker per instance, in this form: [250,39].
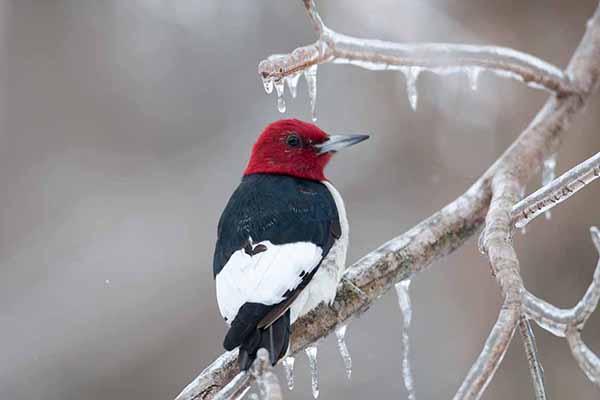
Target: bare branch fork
[498,189]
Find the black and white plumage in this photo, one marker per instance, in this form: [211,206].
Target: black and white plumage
[281,250]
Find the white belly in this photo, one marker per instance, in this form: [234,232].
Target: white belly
[323,286]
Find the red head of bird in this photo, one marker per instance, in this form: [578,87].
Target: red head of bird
[296,148]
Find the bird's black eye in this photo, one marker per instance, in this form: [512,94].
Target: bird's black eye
[293,140]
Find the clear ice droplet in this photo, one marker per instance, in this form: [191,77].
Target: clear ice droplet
[281,105]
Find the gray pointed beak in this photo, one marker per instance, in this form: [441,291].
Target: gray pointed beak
[338,142]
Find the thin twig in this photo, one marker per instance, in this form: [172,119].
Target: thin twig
[535,366]
[570,322]
[556,191]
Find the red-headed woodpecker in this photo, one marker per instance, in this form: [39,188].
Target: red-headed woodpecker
[282,239]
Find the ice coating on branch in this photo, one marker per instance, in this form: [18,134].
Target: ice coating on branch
[410,58]
[481,241]
[311,353]
[549,174]
[235,389]
[288,366]
[473,75]
[561,322]
[595,232]
[402,290]
[412,74]
[242,393]
[340,334]
[292,82]
[557,191]
[310,74]
[280,88]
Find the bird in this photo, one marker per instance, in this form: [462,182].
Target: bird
[281,239]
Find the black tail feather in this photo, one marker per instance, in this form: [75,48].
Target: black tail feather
[275,339]
[244,324]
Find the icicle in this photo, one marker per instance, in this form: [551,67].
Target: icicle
[412,74]
[311,353]
[288,366]
[292,82]
[548,175]
[523,230]
[340,334]
[406,309]
[473,74]
[268,85]
[310,74]
[280,87]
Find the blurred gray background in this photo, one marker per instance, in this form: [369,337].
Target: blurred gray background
[125,126]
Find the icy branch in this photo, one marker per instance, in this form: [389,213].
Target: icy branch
[535,366]
[510,172]
[557,191]
[446,230]
[569,323]
[366,281]
[442,58]
[497,240]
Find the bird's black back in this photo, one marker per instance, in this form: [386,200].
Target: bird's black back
[279,208]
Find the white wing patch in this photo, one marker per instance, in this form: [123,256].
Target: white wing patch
[264,277]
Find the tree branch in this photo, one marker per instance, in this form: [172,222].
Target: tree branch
[557,191]
[535,366]
[442,58]
[373,274]
[569,323]
[497,240]
[447,230]
[540,139]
